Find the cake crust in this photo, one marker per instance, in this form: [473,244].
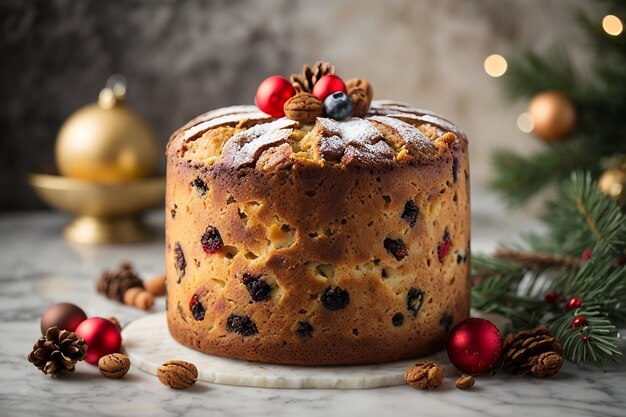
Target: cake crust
[341,243]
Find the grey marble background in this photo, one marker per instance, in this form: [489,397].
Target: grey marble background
[185,57]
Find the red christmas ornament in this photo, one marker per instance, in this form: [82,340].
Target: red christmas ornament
[474,346]
[65,316]
[579,321]
[586,255]
[551,297]
[272,94]
[573,303]
[327,85]
[102,337]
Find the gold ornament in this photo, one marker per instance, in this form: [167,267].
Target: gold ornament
[553,115]
[613,184]
[106,155]
[106,142]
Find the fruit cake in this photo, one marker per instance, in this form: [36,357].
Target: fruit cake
[317,238]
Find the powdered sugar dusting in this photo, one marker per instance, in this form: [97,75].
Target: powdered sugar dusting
[245,147]
[199,129]
[411,136]
[363,143]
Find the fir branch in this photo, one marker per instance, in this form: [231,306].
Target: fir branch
[538,260]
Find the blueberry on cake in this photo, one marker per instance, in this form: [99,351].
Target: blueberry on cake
[320,228]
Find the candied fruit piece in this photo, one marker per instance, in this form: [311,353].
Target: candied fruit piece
[414,300]
[200,186]
[335,298]
[397,319]
[446,321]
[396,247]
[211,240]
[259,289]
[410,213]
[304,329]
[196,307]
[181,264]
[242,325]
[444,246]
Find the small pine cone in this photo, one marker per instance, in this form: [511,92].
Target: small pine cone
[424,375]
[304,81]
[113,284]
[57,352]
[532,351]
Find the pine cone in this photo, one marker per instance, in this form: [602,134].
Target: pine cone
[304,82]
[114,284]
[533,351]
[57,352]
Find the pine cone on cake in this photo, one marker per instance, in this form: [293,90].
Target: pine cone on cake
[57,352]
[533,351]
[304,82]
[114,284]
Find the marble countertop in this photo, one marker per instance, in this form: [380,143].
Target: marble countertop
[38,268]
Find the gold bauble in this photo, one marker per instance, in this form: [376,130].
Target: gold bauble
[106,142]
[553,114]
[613,184]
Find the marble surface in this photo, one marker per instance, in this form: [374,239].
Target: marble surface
[38,268]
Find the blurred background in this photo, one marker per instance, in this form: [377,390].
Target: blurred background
[182,58]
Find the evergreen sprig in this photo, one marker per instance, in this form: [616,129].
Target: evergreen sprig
[581,218]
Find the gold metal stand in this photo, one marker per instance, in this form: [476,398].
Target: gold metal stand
[105,213]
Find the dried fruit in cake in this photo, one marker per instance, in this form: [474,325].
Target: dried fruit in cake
[211,240]
[242,325]
[196,307]
[414,300]
[410,213]
[444,246]
[200,186]
[259,289]
[181,263]
[335,298]
[396,247]
[304,329]
[446,321]
[397,319]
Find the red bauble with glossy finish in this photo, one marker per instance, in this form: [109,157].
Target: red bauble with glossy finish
[474,346]
[65,316]
[102,338]
[574,303]
[579,321]
[272,94]
[327,85]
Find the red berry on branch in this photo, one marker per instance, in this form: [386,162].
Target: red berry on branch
[621,261]
[585,338]
[327,85]
[579,321]
[551,297]
[573,303]
[272,94]
[586,255]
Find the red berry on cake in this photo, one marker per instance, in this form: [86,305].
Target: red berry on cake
[327,85]
[272,95]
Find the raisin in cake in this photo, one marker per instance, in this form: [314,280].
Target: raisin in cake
[338,242]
